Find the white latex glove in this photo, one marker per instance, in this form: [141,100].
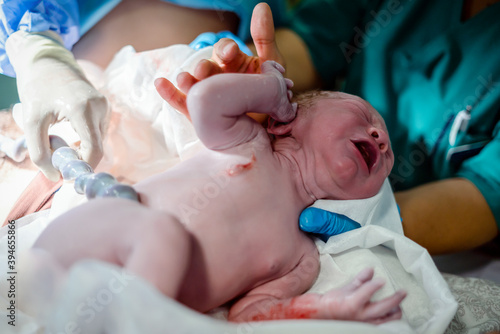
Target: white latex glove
[52,87]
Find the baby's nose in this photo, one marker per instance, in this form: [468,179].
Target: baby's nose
[381,138]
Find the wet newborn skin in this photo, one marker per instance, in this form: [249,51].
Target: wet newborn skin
[222,226]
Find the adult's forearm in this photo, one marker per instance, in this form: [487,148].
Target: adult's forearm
[447,216]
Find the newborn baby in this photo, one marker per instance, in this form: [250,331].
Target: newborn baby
[222,226]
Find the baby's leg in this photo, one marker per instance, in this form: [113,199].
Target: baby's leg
[149,243]
[161,253]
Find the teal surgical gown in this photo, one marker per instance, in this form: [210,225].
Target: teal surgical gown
[419,65]
[73,18]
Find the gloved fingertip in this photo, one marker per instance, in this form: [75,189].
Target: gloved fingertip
[307,222]
[51,174]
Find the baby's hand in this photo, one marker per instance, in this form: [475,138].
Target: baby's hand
[283,110]
[352,302]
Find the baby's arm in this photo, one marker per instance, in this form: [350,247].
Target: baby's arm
[279,299]
[218,105]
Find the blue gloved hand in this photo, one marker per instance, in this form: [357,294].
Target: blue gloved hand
[325,223]
[209,38]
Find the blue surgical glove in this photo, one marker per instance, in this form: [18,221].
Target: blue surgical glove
[325,223]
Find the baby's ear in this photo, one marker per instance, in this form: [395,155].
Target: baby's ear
[277,128]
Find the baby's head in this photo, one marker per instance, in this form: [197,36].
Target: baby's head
[344,142]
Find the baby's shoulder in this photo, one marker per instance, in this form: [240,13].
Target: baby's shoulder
[259,144]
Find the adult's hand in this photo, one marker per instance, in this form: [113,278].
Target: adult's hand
[227,58]
[52,87]
[283,46]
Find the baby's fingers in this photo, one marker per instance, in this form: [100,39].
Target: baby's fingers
[365,292]
[386,309]
[364,276]
[394,314]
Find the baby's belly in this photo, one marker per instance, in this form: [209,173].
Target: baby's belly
[189,198]
[227,265]
[207,186]
[235,248]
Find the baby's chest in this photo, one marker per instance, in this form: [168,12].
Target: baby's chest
[221,186]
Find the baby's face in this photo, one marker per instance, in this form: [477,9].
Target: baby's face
[349,143]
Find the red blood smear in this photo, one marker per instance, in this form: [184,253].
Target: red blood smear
[238,169]
[295,310]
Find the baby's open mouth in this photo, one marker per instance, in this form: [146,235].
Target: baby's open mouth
[368,152]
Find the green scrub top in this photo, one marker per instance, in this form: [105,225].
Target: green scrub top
[419,65]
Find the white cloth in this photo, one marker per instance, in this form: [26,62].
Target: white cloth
[380,243]
[147,136]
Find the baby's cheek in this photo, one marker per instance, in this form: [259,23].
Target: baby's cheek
[390,163]
[346,170]
[356,183]
[343,178]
